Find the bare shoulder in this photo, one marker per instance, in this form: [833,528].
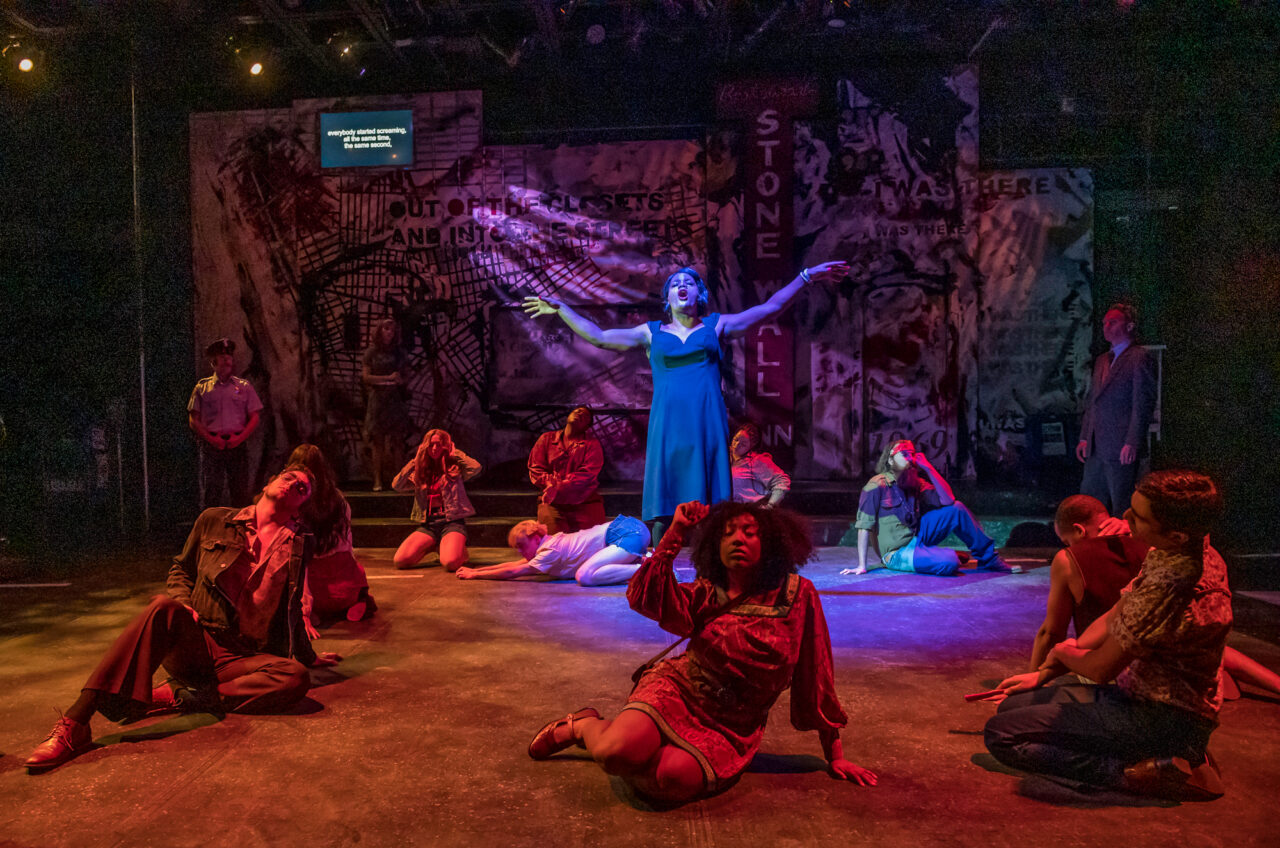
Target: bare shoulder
[1065,571]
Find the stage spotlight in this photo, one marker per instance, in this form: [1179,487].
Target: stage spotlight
[255,68]
[24,58]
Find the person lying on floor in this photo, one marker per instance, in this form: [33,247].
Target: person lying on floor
[912,509]
[755,628]
[1087,577]
[230,630]
[1148,732]
[598,556]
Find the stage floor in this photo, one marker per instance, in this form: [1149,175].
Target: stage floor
[419,736]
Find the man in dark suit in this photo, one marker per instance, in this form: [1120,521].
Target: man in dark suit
[1118,414]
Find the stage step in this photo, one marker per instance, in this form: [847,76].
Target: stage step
[822,498]
[381,519]
[491,531]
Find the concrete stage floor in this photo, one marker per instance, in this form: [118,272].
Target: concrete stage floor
[419,736]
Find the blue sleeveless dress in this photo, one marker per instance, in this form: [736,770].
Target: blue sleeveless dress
[687,455]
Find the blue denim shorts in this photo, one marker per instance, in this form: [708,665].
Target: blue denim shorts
[628,533]
[437,527]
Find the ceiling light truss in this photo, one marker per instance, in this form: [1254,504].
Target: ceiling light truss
[297,34]
[377,28]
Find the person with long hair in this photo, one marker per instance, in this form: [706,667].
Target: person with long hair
[386,417]
[687,451]
[436,475]
[755,628]
[912,509]
[336,583]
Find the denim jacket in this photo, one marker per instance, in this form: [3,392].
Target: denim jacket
[452,492]
[216,541]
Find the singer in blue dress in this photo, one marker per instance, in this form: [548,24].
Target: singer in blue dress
[687,455]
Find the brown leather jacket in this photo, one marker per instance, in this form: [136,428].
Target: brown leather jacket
[216,541]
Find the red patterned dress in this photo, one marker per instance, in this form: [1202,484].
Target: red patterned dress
[714,699]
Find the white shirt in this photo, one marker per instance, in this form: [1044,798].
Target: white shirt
[560,556]
[224,407]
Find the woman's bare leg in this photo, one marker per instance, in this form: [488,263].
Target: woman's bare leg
[453,551]
[623,746]
[413,549]
[1249,670]
[632,747]
[672,775]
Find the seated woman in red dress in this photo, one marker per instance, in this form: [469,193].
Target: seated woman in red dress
[755,628]
[336,585]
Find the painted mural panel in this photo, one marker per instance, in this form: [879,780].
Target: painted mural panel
[250,178]
[313,253]
[438,247]
[1036,261]
[596,225]
[884,189]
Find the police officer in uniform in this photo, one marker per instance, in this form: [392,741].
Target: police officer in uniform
[223,412]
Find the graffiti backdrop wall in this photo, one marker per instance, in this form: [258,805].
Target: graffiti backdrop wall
[1035,259]
[967,311]
[439,247]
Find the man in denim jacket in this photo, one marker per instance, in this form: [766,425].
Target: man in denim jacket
[230,630]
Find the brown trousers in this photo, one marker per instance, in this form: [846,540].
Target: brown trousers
[167,634]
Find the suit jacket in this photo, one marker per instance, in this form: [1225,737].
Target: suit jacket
[1120,407]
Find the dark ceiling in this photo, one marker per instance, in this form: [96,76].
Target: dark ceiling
[357,45]
[1128,83]
[428,42]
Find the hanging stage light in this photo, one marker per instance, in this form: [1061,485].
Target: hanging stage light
[247,54]
[23,57]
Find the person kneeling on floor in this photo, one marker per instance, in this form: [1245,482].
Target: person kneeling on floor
[1162,644]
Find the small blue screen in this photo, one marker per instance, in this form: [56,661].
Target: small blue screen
[365,139]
